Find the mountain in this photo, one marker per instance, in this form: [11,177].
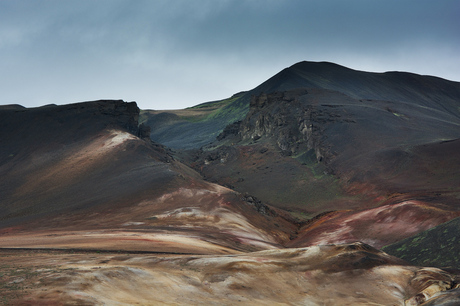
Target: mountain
[265,197]
[351,157]
[426,93]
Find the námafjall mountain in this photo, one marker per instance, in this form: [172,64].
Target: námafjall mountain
[264,197]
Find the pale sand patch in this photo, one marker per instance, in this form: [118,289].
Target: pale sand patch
[103,144]
[115,240]
[223,219]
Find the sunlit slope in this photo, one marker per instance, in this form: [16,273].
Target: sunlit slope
[62,157]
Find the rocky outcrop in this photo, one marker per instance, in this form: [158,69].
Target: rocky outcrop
[289,119]
[109,113]
[230,130]
[431,283]
[124,114]
[258,205]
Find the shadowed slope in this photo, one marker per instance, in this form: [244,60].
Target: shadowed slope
[373,148]
[196,126]
[77,176]
[354,156]
[57,158]
[316,150]
[390,86]
[418,249]
[422,92]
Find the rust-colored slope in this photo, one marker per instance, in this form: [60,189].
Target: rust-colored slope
[377,227]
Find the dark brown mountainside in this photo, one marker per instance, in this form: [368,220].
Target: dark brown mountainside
[372,157]
[387,145]
[280,195]
[81,173]
[372,171]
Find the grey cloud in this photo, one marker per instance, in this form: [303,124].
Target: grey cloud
[176,53]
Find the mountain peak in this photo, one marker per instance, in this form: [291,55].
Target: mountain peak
[310,65]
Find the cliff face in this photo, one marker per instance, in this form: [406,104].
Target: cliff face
[85,117]
[351,137]
[294,124]
[124,114]
[352,162]
[112,113]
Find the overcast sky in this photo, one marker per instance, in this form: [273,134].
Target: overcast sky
[167,54]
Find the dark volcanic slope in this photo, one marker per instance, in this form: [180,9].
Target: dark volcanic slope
[375,147]
[78,176]
[405,87]
[196,126]
[52,154]
[316,168]
[425,93]
[419,249]
[376,161]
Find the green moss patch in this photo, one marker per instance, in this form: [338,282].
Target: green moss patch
[437,247]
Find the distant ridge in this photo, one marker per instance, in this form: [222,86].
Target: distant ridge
[423,92]
[393,86]
[11,106]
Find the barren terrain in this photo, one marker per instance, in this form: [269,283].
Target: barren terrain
[290,193]
[353,274]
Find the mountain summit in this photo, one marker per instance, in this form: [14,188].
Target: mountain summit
[202,121]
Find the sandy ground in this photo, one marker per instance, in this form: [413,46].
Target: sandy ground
[322,275]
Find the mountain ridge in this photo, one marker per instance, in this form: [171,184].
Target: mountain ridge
[400,87]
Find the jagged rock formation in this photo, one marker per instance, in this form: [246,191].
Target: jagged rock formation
[285,118]
[430,95]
